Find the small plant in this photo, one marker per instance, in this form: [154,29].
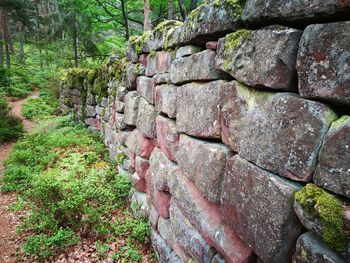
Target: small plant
[10,126]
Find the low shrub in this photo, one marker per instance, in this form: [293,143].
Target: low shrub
[11,127]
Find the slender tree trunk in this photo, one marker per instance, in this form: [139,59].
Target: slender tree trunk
[193,4]
[182,9]
[38,33]
[147,21]
[21,42]
[7,34]
[170,9]
[126,21]
[75,41]
[2,39]
[3,18]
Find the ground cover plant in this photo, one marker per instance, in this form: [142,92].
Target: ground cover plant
[10,126]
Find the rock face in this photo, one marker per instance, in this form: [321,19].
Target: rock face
[324,62]
[333,170]
[198,111]
[146,119]
[159,62]
[272,50]
[198,67]
[130,108]
[254,123]
[145,87]
[165,100]
[187,51]
[310,248]
[208,22]
[203,163]
[259,207]
[139,145]
[168,137]
[274,11]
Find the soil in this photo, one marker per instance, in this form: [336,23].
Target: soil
[9,241]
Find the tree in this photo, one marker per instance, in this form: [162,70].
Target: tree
[147,25]
[170,9]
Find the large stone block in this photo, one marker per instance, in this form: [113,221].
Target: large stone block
[271,50]
[139,183]
[211,21]
[132,71]
[187,51]
[141,166]
[188,236]
[304,11]
[310,248]
[145,87]
[165,100]
[204,164]
[279,132]
[168,137]
[162,249]
[323,62]
[333,170]
[206,218]
[258,205]
[198,67]
[131,104]
[162,78]
[157,63]
[139,145]
[146,119]
[198,109]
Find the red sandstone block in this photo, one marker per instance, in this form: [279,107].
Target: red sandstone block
[140,145]
[168,137]
[139,183]
[141,166]
[213,45]
[161,201]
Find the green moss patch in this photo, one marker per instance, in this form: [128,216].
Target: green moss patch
[329,210]
[75,77]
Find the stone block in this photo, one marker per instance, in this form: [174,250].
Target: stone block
[333,170]
[145,87]
[90,111]
[139,145]
[131,105]
[273,50]
[132,71]
[187,51]
[153,217]
[162,249]
[139,206]
[146,119]
[198,109]
[141,166]
[157,63]
[213,45]
[198,67]
[258,205]
[279,132]
[139,183]
[168,137]
[203,163]
[323,62]
[165,100]
[162,78]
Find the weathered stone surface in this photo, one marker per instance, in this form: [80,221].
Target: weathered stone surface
[209,22]
[273,50]
[168,137]
[324,62]
[162,78]
[132,71]
[145,87]
[131,105]
[279,132]
[163,251]
[165,100]
[333,170]
[120,122]
[131,54]
[139,206]
[119,106]
[90,99]
[90,111]
[95,123]
[304,11]
[218,259]
[153,217]
[141,166]
[259,207]
[139,145]
[198,67]
[160,170]
[121,93]
[204,164]
[310,248]
[187,51]
[157,63]
[213,45]
[188,236]
[198,111]
[161,201]
[205,217]
[146,119]
[139,183]
[99,110]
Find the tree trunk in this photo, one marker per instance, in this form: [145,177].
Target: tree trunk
[170,9]
[147,21]
[2,39]
[21,43]
[75,40]
[38,33]
[126,21]
[3,18]
[193,4]
[182,9]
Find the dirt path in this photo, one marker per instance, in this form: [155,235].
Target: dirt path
[8,221]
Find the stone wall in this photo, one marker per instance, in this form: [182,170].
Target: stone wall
[233,129]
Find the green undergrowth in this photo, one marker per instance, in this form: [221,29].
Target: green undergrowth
[329,210]
[10,126]
[69,191]
[45,105]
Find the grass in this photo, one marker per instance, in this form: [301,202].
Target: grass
[70,191]
[10,126]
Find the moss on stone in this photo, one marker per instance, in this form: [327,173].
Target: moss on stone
[250,95]
[233,7]
[75,77]
[340,122]
[329,210]
[139,41]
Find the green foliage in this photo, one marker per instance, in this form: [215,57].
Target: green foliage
[10,126]
[60,170]
[329,210]
[44,106]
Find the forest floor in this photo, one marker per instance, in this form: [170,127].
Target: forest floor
[8,220]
